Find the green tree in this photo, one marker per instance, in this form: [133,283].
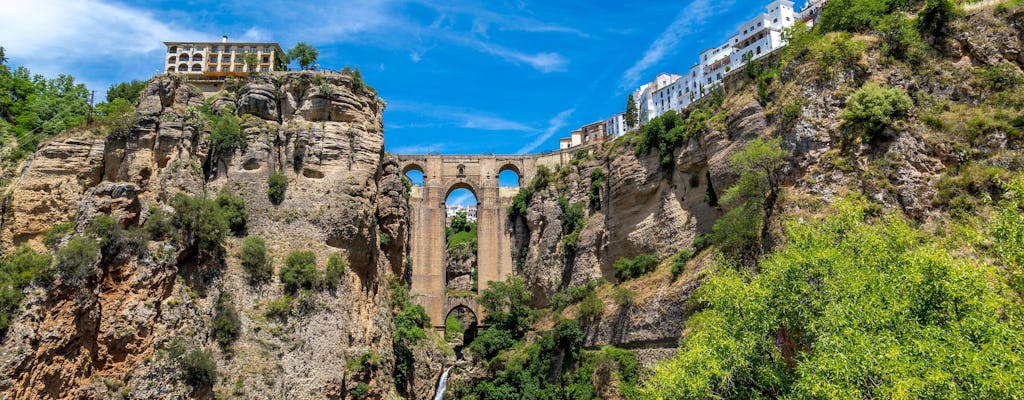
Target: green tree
[18,269]
[935,17]
[200,221]
[128,91]
[251,62]
[299,272]
[335,270]
[632,114]
[872,108]
[226,324]
[508,306]
[304,54]
[255,261]
[850,308]
[76,260]
[751,199]
[857,15]
[232,207]
[276,185]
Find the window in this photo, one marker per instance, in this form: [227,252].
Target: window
[266,49]
[231,48]
[264,69]
[184,57]
[213,59]
[252,49]
[172,50]
[238,68]
[775,21]
[171,60]
[758,49]
[215,49]
[266,59]
[170,69]
[200,48]
[225,69]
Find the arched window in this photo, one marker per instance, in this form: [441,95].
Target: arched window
[183,68]
[184,57]
[462,170]
[172,60]
[197,68]
[197,57]
[415,175]
[170,69]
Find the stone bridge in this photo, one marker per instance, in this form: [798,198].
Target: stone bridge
[479,174]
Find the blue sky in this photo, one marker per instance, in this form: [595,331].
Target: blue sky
[498,76]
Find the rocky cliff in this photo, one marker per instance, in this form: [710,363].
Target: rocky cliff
[106,336]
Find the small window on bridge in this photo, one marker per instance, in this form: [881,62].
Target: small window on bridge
[415,176]
[508,178]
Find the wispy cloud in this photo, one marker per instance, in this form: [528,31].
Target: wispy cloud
[693,15]
[461,197]
[419,148]
[459,117]
[544,62]
[556,124]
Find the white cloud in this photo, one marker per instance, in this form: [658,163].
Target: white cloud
[557,123]
[461,197]
[694,14]
[64,30]
[419,148]
[458,117]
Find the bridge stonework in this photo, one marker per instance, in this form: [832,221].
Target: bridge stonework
[478,174]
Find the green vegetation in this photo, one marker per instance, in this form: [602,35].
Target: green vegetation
[591,307]
[255,261]
[935,16]
[158,225]
[867,308]
[623,296]
[18,269]
[1008,231]
[304,54]
[872,108]
[522,199]
[739,232]
[679,264]
[900,40]
[196,366]
[857,15]
[632,114]
[114,240]
[597,180]
[276,185]
[335,271]
[76,260]
[232,206]
[58,232]
[360,391]
[299,272]
[411,321]
[200,221]
[460,237]
[226,325]
[279,307]
[630,268]
[452,328]
[509,316]
[572,224]
[366,361]
[127,91]
[226,134]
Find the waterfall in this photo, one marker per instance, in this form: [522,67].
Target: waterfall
[442,384]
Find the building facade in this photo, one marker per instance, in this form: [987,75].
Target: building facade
[207,64]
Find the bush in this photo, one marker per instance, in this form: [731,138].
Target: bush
[77,259]
[857,15]
[836,52]
[57,232]
[669,131]
[591,307]
[1001,76]
[679,265]
[233,208]
[158,225]
[279,307]
[361,390]
[597,181]
[226,325]
[900,40]
[366,361]
[299,272]
[623,296]
[276,185]
[335,270]
[452,328]
[225,134]
[17,270]
[490,342]
[200,220]
[255,261]
[198,368]
[572,224]
[629,268]
[872,108]
[935,16]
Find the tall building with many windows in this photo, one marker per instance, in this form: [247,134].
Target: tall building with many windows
[208,63]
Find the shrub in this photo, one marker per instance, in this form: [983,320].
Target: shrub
[623,296]
[233,208]
[452,328]
[255,261]
[900,40]
[591,307]
[77,259]
[490,342]
[57,232]
[872,108]
[559,301]
[679,265]
[200,220]
[1001,76]
[572,223]
[17,270]
[335,270]
[108,230]
[935,16]
[597,180]
[629,268]
[360,391]
[225,134]
[226,325]
[276,185]
[158,225]
[198,368]
[279,307]
[836,52]
[366,361]
[299,272]
[857,15]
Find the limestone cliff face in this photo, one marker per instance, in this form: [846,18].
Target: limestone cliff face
[102,337]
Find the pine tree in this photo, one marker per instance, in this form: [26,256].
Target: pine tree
[631,113]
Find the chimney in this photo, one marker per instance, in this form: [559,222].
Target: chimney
[224,39]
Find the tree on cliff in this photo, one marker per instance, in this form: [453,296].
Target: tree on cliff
[631,112]
[304,54]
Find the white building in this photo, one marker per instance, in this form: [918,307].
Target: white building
[763,34]
[811,12]
[650,97]
[470,211]
[615,125]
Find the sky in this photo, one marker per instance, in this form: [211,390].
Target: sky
[459,77]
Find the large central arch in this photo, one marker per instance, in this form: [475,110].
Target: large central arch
[478,174]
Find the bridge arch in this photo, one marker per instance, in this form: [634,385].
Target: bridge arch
[469,323]
[462,184]
[413,170]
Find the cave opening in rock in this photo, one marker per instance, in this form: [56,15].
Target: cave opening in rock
[461,242]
